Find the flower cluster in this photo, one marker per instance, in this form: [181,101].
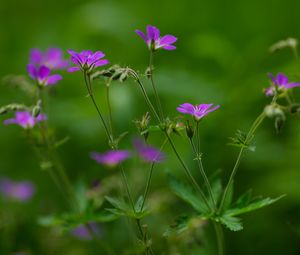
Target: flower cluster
[25,119]
[113,157]
[41,64]
[154,41]
[197,111]
[280,82]
[86,60]
[20,191]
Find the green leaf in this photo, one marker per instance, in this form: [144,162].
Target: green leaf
[118,204]
[242,140]
[229,197]
[187,194]
[252,206]
[217,189]
[232,223]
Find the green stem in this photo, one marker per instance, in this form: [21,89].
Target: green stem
[150,105]
[203,174]
[147,186]
[253,128]
[153,85]
[109,109]
[220,237]
[187,171]
[91,95]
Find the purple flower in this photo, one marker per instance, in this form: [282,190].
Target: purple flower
[86,60]
[83,233]
[42,75]
[148,153]
[198,111]
[21,191]
[154,41]
[52,58]
[25,119]
[280,82]
[110,158]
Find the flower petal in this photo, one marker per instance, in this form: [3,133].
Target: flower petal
[167,39]
[142,35]
[73,69]
[53,79]
[32,71]
[186,108]
[36,56]
[281,79]
[153,33]
[169,47]
[43,72]
[101,62]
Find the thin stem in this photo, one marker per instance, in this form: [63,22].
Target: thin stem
[153,84]
[150,105]
[220,237]
[109,109]
[187,171]
[147,186]
[253,128]
[203,174]
[91,95]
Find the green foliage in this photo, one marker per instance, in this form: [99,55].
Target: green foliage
[188,194]
[241,140]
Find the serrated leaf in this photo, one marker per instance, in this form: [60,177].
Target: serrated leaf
[252,206]
[187,194]
[232,223]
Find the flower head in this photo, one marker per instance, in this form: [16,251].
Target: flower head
[198,111]
[280,83]
[86,60]
[42,75]
[110,158]
[21,191]
[148,153]
[52,58]
[154,41]
[25,119]
[82,232]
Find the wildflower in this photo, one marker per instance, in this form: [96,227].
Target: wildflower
[25,119]
[280,83]
[110,158]
[20,191]
[86,60]
[82,232]
[42,75]
[198,111]
[154,41]
[52,58]
[148,153]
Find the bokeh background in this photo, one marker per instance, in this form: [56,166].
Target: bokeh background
[222,57]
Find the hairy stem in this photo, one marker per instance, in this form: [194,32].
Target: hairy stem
[253,128]
[153,84]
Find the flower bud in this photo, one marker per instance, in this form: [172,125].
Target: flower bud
[189,130]
[274,111]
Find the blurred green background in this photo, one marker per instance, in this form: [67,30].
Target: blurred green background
[222,57]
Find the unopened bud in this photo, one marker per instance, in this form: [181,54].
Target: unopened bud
[189,130]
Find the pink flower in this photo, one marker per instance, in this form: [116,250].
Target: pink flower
[198,111]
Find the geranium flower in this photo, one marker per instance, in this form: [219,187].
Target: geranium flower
[52,58]
[42,75]
[25,119]
[281,83]
[154,41]
[86,60]
[148,153]
[110,158]
[198,111]
[21,191]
